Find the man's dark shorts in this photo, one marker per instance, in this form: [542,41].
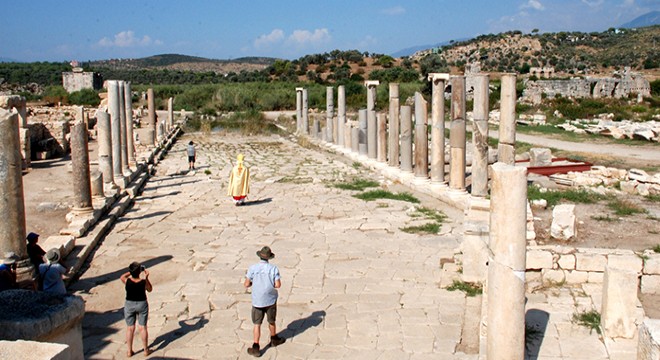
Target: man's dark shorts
[258,314]
[191,159]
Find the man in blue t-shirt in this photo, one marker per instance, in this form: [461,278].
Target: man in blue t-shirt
[265,280]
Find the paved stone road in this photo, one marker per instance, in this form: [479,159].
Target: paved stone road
[354,286]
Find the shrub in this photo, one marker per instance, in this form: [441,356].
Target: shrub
[85,97]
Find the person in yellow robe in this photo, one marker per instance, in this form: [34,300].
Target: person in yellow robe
[239,182]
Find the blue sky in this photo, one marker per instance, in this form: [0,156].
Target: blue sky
[49,30]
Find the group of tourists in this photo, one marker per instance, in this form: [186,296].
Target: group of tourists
[50,273]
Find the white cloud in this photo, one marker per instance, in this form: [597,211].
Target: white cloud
[265,40]
[306,37]
[126,39]
[593,3]
[396,10]
[533,4]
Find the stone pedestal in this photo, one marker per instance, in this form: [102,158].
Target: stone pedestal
[506,148]
[382,138]
[299,115]
[362,134]
[457,134]
[151,123]
[347,135]
[96,182]
[438,83]
[341,115]
[421,138]
[329,114]
[130,142]
[619,304]
[12,208]
[406,139]
[393,124]
[105,148]
[38,316]
[506,267]
[372,135]
[305,113]
[316,128]
[82,191]
[355,139]
[480,136]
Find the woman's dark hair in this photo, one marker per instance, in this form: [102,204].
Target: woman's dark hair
[134,268]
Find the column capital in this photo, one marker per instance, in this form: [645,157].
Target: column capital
[437,76]
[299,89]
[369,83]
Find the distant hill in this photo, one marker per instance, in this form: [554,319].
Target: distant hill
[411,50]
[185,63]
[648,19]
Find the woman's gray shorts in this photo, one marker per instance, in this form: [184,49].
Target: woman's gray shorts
[133,309]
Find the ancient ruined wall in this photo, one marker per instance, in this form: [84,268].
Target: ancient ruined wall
[575,88]
[76,81]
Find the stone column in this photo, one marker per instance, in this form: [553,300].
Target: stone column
[457,134]
[506,267]
[355,139]
[347,135]
[393,124]
[105,148]
[341,114]
[382,137]
[371,94]
[438,83]
[362,134]
[130,144]
[480,136]
[96,183]
[170,114]
[372,135]
[123,124]
[150,136]
[305,115]
[506,148]
[406,139]
[299,116]
[330,114]
[113,106]
[82,189]
[12,207]
[421,137]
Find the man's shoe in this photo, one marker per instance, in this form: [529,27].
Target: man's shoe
[254,350]
[276,340]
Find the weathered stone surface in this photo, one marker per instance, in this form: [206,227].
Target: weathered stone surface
[539,259]
[22,349]
[628,262]
[652,264]
[553,276]
[650,284]
[564,222]
[576,277]
[590,262]
[540,157]
[619,303]
[649,340]
[566,261]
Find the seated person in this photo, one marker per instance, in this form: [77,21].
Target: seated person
[8,272]
[35,252]
[52,273]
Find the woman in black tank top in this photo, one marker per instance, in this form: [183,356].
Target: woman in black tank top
[136,305]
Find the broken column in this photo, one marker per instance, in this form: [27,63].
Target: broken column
[393,124]
[123,124]
[421,138]
[506,148]
[130,144]
[115,126]
[438,83]
[341,115]
[329,114]
[19,103]
[305,113]
[355,139]
[382,138]
[299,115]
[372,135]
[506,267]
[105,148]
[170,114]
[362,134]
[619,306]
[150,135]
[82,190]
[457,134]
[406,139]
[480,136]
[12,207]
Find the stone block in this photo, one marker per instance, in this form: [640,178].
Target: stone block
[576,277]
[648,347]
[650,284]
[475,258]
[553,276]
[539,259]
[64,243]
[619,303]
[639,175]
[595,277]
[566,261]
[590,262]
[22,349]
[629,187]
[626,262]
[652,264]
[564,222]
[540,157]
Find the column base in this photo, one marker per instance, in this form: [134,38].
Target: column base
[120,181]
